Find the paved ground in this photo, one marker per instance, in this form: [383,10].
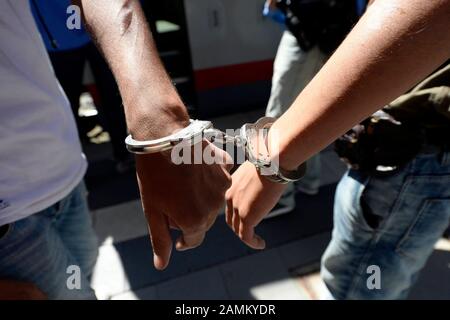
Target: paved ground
[223,268]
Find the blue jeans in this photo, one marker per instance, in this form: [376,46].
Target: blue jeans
[41,249]
[390,222]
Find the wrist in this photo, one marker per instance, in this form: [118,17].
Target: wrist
[157,119]
[278,144]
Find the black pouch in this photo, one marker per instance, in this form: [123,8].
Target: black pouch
[379,142]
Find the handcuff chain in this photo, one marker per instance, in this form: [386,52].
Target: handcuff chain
[215,135]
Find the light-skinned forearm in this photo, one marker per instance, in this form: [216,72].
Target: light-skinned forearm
[152,106]
[396,44]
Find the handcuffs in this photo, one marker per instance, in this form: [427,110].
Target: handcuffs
[249,139]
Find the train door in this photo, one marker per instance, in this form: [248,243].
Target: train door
[218,52]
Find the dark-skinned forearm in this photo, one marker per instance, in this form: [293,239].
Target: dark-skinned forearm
[152,106]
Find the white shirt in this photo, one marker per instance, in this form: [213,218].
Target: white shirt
[41,160]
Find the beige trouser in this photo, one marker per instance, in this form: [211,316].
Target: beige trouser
[293,70]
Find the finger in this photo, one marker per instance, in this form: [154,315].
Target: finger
[161,240]
[228,162]
[190,241]
[248,236]
[172,224]
[229,212]
[221,177]
[236,221]
[224,157]
[211,220]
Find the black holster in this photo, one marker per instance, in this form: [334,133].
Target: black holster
[379,142]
